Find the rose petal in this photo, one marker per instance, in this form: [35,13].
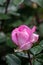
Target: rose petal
[25,28]
[22,27]
[14,36]
[26,46]
[22,38]
[34,29]
[34,38]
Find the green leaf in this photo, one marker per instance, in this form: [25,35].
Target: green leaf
[22,54]
[2,37]
[28,21]
[41,43]
[11,59]
[2,10]
[39,2]
[35,50]
[35,62]
[17,23]
[9,42]
[41,29]
[17,2]
[40,57]
[4,16]
[14,13]
[28,2]
[12,9]
[2,1]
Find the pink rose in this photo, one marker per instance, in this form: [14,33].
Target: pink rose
[24,37]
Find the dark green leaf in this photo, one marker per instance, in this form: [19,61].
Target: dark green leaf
[17,23]
[11,59]
[28,2]
[4,16]
[35,62]
[22,54]
[2,10]
[14,13]
[41,29]
[41,43]
[2,37]
[28,21]
[36,49]
[12,9]
[17,2]
[9,42]
[2,1]
[40,57]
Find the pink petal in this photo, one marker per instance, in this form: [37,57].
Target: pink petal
[14,36]
[25,28]
[22,27]
[34,29]
[22,38]
[34,38]
[26,46]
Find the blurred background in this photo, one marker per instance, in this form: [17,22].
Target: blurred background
[14,13]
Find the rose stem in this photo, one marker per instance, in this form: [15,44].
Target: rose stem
[29,57]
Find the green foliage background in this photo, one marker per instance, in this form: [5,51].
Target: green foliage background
[12,14]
